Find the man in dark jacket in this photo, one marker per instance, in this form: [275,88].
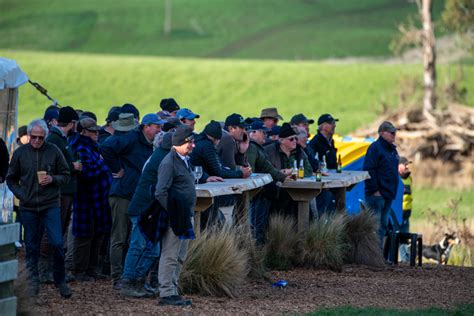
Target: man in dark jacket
[176,183]
[322,146]
[35,176]
[233,145]
[58,135]
[141,255]
[381,161]
[125,156]
[108,130]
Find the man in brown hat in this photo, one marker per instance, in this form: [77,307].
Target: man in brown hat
[270,117]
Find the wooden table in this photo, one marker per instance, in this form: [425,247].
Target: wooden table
[304,190]
[246,187]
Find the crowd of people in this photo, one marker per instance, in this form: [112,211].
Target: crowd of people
[117,201]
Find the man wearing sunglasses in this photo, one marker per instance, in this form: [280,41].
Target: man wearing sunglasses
[36,174]
[381,161]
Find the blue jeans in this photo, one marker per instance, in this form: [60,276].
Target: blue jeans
[405,228]
[34,224]
[140,255]
[381,209]
[258,216]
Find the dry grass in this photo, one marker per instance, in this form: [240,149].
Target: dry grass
[324,245]
[361,233]
[283,243]
[216,263]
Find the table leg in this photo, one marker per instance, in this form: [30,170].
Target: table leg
[340,194]
[303,216]
[202,204]
[241,216]
[197,224]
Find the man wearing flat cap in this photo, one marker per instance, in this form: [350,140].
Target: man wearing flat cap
[381,161]
[176,194]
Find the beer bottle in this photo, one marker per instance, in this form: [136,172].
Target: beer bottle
[301,170]
[339,164]
[324,165]
[318,175]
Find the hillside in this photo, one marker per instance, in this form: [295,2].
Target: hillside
[216,88]
[255,29]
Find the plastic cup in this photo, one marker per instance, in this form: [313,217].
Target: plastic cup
[41,175]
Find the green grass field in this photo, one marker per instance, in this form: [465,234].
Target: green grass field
[462,310]
[256,29]
[438,199]
[214,88]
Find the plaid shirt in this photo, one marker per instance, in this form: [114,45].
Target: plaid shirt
[91,213]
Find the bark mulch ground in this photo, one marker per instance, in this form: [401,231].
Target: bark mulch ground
[308,290]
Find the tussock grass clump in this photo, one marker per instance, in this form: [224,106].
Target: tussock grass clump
[256,254]
[363,241]
[283,241]
[324,245]
[216,263]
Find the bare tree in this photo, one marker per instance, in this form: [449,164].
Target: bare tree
[429,55]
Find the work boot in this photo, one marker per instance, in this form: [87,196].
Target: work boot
[129,288]
[64,290]
[174,300]
[140,286]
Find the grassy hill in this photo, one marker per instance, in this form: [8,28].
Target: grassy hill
[215,88]
[263,29]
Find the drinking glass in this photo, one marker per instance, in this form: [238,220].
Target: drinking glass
[197,173]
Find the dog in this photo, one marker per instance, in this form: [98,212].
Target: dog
[441,251]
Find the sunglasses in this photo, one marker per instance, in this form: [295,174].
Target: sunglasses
[292,139]
[36,137]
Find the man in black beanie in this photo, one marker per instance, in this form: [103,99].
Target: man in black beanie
[169,105]
[58,135]
[283,154]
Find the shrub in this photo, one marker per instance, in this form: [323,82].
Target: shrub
[256,254]
[363,241]
[282,245]
[324,244]
[216,264]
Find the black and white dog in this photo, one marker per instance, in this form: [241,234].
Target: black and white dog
[440,252]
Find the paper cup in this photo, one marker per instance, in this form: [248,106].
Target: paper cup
[41,175]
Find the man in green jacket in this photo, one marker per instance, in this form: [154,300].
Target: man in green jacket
[258,160]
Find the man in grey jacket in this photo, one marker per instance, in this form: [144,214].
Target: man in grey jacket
[36,173]
[176,194]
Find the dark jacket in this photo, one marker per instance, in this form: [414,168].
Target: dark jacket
[320,144]
[381,161]
[4,158]
[175,192]
[103,135]
[258,160]
[91,212]
[22,178]
[145,192]
[205,154]
[280,161]
[128,151]
[56,137]
[228,151]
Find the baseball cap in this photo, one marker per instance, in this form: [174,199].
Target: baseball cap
[300,118]
[404,160]
[257,125]
[326,118]
[235,120]
[387,126]
[50,115]
[152,118]
[185,113]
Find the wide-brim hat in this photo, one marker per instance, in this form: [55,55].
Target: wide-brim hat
[270,113]
[126,122]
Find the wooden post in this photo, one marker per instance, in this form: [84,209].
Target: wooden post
[167,20]
[303,216]
[8,268]
[340,194]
